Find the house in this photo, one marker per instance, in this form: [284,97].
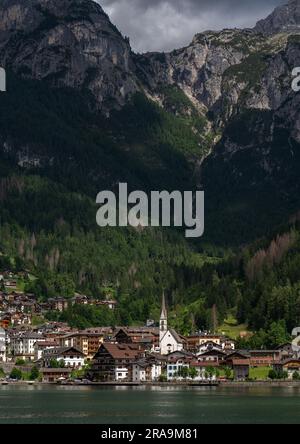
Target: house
[286,350]
[240,362]
[87,343]
[40,347]
[203,370]
[176,361]
[113,362]
[194,342]
[213,356]
[146,337]
[59,304]
[179,360]
[55,374]
[291,366]
[169,340]
[228,344]
[80,299]
[22,345]
[296,341]
[207,346]
[110,304]
[70,356]
[174,367]
[241,369]
[146,370]
[264,358]
[139,371]
[3,345]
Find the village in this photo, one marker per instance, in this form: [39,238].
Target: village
[53,352]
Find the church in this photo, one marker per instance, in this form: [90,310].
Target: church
[169,340]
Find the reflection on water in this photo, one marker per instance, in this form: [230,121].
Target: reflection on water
[149,405]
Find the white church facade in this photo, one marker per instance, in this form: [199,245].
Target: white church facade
[169,340]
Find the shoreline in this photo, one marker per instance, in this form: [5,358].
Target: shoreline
[215,384]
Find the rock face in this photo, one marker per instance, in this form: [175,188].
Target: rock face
[73,43]
[239,81]
[285,18]
[199,68]
[68,43]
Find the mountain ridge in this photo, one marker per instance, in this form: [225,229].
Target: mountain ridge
[198,98]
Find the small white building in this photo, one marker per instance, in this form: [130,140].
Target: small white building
[139,372]
[145,371]
[173,368]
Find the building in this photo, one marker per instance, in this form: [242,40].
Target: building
[239,362]
[203,370]
[113,362]
[88,342]
[176,361]
[241,369]
[290,366]
[40,347]
[55,374]
[3,345]
[70,356]
[146,337]
[59,304]
[213,356]
[169,340]
[22,345]
[264,358]
[109,304]
[201,342]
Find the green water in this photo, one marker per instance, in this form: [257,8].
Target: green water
[120,405]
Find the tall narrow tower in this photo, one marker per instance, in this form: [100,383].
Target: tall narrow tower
[163,322]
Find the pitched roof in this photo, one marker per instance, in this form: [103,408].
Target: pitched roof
[58,351]
[178,338]
[120,351]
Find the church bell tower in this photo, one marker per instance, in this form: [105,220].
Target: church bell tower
[163,322]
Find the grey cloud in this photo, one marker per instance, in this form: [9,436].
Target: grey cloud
[163,25]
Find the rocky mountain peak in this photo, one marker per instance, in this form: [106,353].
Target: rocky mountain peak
[67,43]
[285,18]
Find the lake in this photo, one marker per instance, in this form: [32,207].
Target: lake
[151,405]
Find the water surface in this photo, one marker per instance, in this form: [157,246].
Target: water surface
[154,405]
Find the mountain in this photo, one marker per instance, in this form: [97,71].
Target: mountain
[83,113]
[222,107]
[285,18]
[67,43]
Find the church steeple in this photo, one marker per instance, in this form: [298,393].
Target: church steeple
[163,322]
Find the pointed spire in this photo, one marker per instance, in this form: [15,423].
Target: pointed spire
[163,307]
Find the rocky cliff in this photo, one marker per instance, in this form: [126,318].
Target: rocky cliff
[73,43]
[67,43]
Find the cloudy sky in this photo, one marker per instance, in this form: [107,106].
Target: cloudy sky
[163,25]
